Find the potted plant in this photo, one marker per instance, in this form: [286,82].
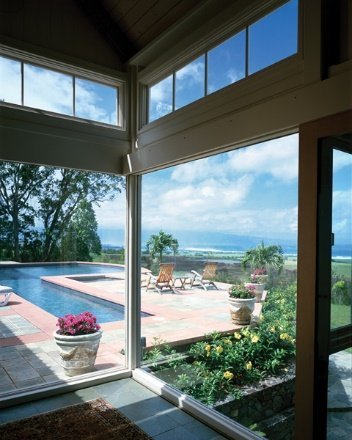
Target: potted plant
[257,281]
[78,338]
[241,301]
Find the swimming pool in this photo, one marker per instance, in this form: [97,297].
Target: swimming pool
[59,301]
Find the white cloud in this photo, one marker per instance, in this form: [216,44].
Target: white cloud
[235,192]
[193,72]
[197,170]
[234,75]
[10,81]
[48,90]
[197,205]
[342,208]
[112,214]
[162,90]
[341,160]
[95,101]
[277,157]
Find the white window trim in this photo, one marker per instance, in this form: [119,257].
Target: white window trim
[119,81]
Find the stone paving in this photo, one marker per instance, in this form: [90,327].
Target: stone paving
[28,353]
[340,396]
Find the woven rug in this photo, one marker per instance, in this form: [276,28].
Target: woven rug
[95,420]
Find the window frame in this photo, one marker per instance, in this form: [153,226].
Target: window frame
[108,79]
[237,25]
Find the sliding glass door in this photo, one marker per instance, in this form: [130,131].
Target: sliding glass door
[333,384]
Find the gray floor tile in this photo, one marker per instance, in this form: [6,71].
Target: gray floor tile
[178,434]
[155,425]
[181,417]
[144,409]
[56,402]
[203,431]
[17,413]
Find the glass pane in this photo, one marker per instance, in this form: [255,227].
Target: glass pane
[339,395]
[95,101]
[227,62]
[10,80]
[341,290]
[274,37]
[48,90]
[190,82]
[203,219]
[64,219]
[160,99]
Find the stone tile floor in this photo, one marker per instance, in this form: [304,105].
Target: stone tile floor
[340,396]
[157,417]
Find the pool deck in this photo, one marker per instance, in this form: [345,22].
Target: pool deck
[28,353]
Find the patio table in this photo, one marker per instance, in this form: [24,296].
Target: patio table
[182,280]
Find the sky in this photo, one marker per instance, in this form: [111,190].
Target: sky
[251,191]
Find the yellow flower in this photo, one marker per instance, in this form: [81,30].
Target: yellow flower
[219,349]
[228,342]
[208,347]
[249,365]
[285,337]
[255,339]
[272,329]
[237,335]
[228,375]
[245,332]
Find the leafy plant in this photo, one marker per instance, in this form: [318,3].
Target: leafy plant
[340,293]
[263,257]
[73,325]
[241,291]
[160,243]
[219,366]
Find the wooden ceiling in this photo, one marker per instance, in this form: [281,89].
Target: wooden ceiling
[130,25]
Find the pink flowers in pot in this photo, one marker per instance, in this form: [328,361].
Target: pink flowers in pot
[82,324]
[259,275]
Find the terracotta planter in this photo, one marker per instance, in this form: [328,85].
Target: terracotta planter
[78,353]
[258,289]
[241,310]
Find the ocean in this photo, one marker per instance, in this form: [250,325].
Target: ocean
[338,251]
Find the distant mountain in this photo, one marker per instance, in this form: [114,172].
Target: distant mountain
[201,240]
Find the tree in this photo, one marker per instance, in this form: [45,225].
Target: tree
[20,186]
[263,257]
[81,238]
[37,204]
[61,197]
[160,243]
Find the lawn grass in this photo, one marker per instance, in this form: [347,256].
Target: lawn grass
[340,315]
[342,268]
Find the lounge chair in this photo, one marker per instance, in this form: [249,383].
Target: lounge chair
[164,279]
[6,292]
[206,279]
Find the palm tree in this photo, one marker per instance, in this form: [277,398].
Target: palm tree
[160,243]
[263,257]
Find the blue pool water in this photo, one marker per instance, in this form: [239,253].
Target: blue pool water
[56,300]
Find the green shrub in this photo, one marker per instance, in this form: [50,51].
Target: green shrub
[340,293]
[220,365]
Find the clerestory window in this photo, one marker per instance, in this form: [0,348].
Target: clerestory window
[261,44]
[43,88]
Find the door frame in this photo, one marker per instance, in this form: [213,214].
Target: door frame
[310,137]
